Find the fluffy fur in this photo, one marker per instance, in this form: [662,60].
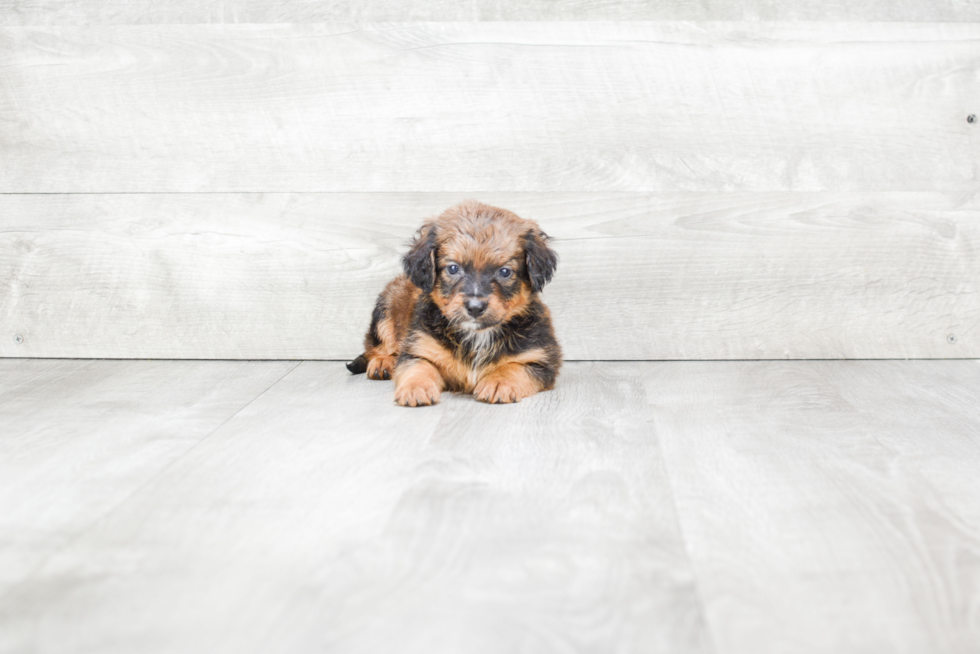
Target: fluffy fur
[466,316]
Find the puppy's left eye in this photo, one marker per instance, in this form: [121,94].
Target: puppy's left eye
[505,272]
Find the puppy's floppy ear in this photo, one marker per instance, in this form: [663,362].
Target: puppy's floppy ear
[541,260]
[420,262]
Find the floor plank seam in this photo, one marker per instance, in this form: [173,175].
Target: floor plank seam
[80,534]
[709,635]
[819,507]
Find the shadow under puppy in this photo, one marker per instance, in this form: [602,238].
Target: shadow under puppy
[466,316]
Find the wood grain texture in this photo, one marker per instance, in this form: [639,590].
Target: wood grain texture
[77,438]
[89,12]
[828,506]
[733,507]
[324,518]
[490,107]
[642,276]
[112,12]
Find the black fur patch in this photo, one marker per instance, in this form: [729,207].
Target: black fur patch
[377,316]
[541,260]
[507,290]
[545,374]
[429,319]
[358,365]
[420,262]
[528,331]
[448,286]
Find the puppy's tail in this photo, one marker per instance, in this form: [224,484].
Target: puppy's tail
[358,365]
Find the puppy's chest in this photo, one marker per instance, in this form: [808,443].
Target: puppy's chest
[470,360]
[460,362]
[479,346]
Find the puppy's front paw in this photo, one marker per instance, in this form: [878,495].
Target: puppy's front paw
[499,391]
[381,367]
[417,392]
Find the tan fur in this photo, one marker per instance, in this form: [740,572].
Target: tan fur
[399,296]
[505,384]
[417,383]
[457,374]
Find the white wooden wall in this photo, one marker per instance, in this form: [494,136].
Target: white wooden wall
[238,180]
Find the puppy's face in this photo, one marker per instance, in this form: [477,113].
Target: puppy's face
[481,265]
[478,292]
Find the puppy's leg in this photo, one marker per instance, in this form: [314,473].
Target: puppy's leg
[380,365]
[514,377]
[380,344]
[389,324]
[509,382]
[417,382]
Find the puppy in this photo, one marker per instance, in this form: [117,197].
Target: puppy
[466,316]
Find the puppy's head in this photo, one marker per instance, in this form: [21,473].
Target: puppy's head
[481,265]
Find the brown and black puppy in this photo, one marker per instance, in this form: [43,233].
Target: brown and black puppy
[466,316]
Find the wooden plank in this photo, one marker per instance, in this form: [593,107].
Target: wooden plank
[80,437]
[87,12]
[476,107]
[822,511]
[927,418]
[323,517]
[642,276]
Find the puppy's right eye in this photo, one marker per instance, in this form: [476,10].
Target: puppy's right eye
[452,269]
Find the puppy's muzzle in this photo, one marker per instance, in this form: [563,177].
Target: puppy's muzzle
[475,306]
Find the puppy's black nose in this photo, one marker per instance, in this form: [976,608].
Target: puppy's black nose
[475,307]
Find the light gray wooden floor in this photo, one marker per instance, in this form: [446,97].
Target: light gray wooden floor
[218,506]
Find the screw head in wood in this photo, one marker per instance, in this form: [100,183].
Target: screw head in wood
[18,339]
[951,339]
[972,118]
